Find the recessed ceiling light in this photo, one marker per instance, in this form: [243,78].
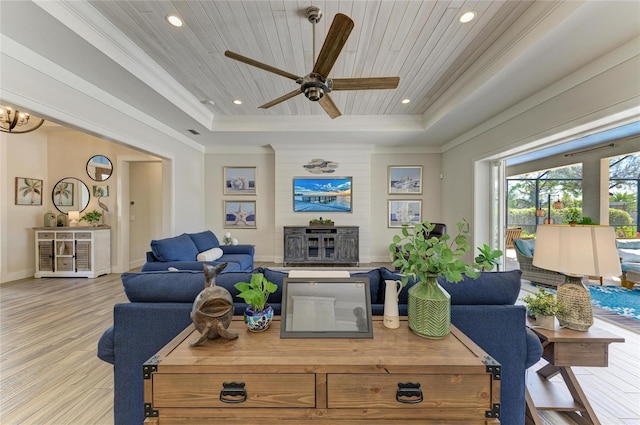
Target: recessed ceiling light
[237,102]
[467,17]
[405,101]
[174,20]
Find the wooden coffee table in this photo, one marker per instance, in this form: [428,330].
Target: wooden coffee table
[564,348]
[396,377]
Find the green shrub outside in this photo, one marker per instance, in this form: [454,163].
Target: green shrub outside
[526,218]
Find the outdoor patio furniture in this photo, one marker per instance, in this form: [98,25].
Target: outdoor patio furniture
[524,253]
[511,235]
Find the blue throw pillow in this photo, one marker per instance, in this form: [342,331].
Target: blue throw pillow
[179,248]
[204,241]
[491,288]
[526,246]
[276,277]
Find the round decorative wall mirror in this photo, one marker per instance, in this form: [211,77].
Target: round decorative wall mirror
[70,194]
[99,168]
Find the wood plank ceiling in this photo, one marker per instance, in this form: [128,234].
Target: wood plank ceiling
[422,42]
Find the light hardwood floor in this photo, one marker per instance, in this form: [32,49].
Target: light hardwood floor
[49,372]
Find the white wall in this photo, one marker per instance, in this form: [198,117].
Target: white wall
[606,90]
[145,209]
[382,235]
[21,156]
[263,235]
[51,156]
[353,162]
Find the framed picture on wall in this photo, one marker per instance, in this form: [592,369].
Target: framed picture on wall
[63,194]
[404,212]
[239,181]
[239,214]
[100,191]
[28,191]
[405,179]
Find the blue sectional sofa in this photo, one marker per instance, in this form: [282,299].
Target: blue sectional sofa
[181,252]
[160,303]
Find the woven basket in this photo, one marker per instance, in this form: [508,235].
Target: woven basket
[577,299]
[429,309]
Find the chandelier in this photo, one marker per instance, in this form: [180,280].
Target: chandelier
[14,121]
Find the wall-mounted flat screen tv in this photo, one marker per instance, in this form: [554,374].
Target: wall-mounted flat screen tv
[330,194]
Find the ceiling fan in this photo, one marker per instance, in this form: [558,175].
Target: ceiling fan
[316,85]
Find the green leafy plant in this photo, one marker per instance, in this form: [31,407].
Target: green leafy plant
[419,257]
[321,221]
[544,303]
[571,215]
[488,258]
[92,217]
[586,221]
[257,291]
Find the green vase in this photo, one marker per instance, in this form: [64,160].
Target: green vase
[429,309]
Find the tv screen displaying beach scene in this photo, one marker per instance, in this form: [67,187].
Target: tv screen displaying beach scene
[331,194]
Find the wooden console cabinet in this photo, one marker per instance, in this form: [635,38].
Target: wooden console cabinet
[72,251]
[397,377]
[321,244]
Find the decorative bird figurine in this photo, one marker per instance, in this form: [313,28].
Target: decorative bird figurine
[102,205]
[212,309]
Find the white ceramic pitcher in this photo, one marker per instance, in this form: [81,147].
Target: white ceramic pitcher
[391,293]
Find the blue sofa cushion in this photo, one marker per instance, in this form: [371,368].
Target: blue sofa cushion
[179,248]
[106,349]
[204,240]
[525,246]
[244,261]
[374,283]
[491,288]
[195,266]
[157,287]
[227,280]
[628,243]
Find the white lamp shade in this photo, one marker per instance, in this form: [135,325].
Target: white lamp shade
[577,250]
[74,215]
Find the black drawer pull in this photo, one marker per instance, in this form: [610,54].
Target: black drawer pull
[233,392]
[409,393]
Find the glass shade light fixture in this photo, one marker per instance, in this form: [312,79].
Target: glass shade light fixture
[74,218]
[16,122]
[577,251]
[558,204]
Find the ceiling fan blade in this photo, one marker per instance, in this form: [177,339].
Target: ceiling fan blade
[281,99]
[260,65]
[375,83]
[329,107]
[337,37]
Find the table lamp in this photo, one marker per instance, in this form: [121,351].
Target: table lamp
[74,218]
[576,251]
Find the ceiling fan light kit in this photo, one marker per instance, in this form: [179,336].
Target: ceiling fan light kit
[316,85]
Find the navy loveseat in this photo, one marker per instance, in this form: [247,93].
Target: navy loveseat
[160,303]
[181,252]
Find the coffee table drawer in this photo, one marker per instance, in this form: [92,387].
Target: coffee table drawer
[383,391]
[227,390]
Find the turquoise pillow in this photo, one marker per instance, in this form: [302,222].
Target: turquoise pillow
[179,248]
[526,246]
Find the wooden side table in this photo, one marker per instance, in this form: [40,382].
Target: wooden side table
[564,348]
